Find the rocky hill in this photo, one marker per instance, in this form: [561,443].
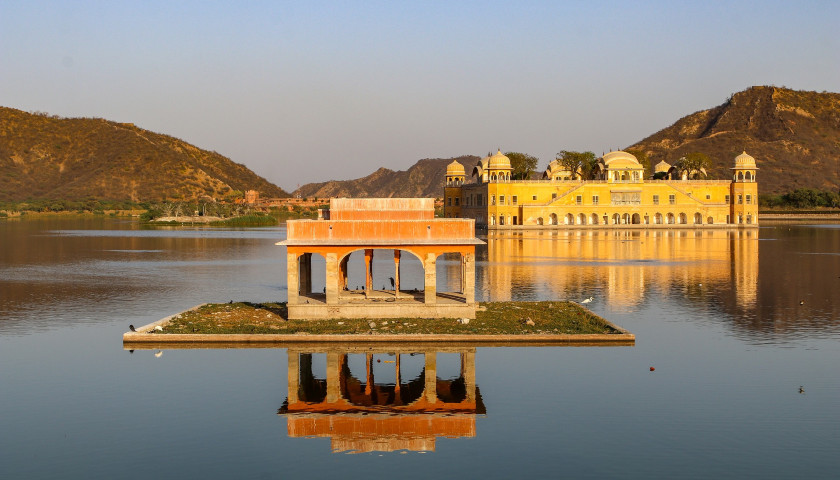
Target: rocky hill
[424,179]
[793,135]
[47,157]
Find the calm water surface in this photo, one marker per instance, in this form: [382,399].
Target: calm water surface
[734,322]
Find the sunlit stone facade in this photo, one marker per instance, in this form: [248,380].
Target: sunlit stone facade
[621,196]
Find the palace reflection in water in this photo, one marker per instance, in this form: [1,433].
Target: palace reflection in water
[625,266]
[406,409]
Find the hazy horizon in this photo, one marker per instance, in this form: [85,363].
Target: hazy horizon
[310,92]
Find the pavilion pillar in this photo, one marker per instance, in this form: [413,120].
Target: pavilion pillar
[430,270]
[294,376]
[469,278]
[463,273]
[430,390]
[342,273]
[368,374]
[397,254]
[397,380]
[333,374]
[468,373]
[331,288]
[368,271]
[305,274]
[292,286]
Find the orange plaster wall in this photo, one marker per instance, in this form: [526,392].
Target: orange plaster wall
[420,251]
[410,231]
[397,426]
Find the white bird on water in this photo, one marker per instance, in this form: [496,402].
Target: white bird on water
[587,300]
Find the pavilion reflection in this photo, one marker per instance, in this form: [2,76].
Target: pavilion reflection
[397,413]
[628,267]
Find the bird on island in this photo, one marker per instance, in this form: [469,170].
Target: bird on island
[802,302]
[801,390]
[588,300]
[392,281]
[131,327]
[158,353]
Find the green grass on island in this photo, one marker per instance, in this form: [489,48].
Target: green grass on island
[494,318]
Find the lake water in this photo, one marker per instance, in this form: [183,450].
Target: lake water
[742,327]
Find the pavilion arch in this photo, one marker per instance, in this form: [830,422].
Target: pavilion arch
[311,275]
[670,219]
[740,176]
[636,219]
[569,219]
[625,219]
[552,219]
[451,276]
[582,219]
[683,219]
[539,220]
[710,220]
[747,177]
[360,388]
[385,264]
[698,219]
[616,218]
[657,218]
[594,219]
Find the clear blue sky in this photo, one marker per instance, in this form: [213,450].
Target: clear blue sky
[311,91]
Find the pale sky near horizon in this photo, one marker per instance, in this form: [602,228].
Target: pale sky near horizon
[311,91]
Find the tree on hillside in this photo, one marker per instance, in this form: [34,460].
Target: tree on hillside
[523,165]
[642,157]
[693,164]
[583,164]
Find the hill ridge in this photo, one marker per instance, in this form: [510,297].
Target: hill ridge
[51,157]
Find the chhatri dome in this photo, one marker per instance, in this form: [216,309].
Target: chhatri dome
[455,168]
[499,162]
[745,161]
[620,157]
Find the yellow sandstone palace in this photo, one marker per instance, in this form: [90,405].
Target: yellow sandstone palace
[620,196]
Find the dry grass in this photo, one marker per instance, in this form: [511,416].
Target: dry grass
[499,318]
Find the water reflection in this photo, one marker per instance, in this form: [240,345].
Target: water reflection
[382,398]
[626,267]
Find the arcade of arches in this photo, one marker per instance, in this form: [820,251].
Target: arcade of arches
[398,226]
[412,412]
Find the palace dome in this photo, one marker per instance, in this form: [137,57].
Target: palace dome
[621,157]
[498,162]
[455,168]
[662,166]
[745,161]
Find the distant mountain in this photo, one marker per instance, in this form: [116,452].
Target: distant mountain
[793,135]
[424,179]
[44,157]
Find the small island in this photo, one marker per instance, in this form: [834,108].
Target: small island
[556,321]
[400,226]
